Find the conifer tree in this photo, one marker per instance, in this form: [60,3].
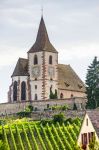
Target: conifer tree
[92,85]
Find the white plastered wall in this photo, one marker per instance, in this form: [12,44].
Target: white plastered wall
[86,129]
[34,82]
[54,81]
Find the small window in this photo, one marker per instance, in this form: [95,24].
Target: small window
[67,85]
[35,86]
[90,136]
[50,60]
[80,86]
[35,60]
[87,122]
[84,139]
[72,95]
[61,95]
[35,96]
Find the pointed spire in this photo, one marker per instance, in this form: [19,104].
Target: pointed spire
[42,41]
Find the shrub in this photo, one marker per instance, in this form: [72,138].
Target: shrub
[24,114]
[58,118]
[3,122]
[31,108]
[77,121]
[64,107]
[44,122]
[69,120]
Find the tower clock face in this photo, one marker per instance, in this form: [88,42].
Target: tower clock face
[36,71]
[51,71]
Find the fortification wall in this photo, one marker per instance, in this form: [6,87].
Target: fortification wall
[9,108]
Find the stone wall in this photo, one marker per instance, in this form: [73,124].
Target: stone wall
[10,108]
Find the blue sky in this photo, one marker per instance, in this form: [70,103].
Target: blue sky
[73,28]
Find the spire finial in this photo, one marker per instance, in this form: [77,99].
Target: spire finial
[42,11]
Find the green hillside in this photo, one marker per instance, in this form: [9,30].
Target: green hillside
[35,136]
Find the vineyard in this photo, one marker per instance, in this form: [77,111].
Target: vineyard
[33,136]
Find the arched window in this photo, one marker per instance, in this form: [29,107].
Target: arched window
[36,97]
[50,60]
[61,95]
[15,91]
[35,60]
[23,91]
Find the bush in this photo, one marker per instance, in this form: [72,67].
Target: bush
[31,108]
[69,120]
[64,107]
[58,118]
[44,122]
[24,114]
[3,122]
[60,107]
[77,121]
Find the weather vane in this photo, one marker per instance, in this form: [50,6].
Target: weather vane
[42,11]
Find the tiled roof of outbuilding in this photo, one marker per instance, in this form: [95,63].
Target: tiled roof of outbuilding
[42,42]
[94,116]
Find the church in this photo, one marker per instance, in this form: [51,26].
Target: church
[40,77]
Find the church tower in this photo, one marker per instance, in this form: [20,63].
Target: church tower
[43,66]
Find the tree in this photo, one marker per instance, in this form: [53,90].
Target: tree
[53,95]
[92,85]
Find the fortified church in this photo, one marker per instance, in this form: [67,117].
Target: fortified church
[40,77]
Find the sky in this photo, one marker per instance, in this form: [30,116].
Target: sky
[73,29]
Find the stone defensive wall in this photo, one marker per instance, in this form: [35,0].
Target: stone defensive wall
[10,108]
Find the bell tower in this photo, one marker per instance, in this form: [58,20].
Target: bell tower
[43,65]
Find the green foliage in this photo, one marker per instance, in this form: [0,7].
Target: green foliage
[60,142]
[40,137]
[5,138]
[13,139]
[93,145]
[92,85]
[19,137]
[55,146]
[47,138]
[58,118]
[53,95]
[27,112]
[22,114]
[33,138]
[26,137]
[31,108]
[33,135]
[3,146]
[3,121]
[69,120]
[61,108]
[45,122]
